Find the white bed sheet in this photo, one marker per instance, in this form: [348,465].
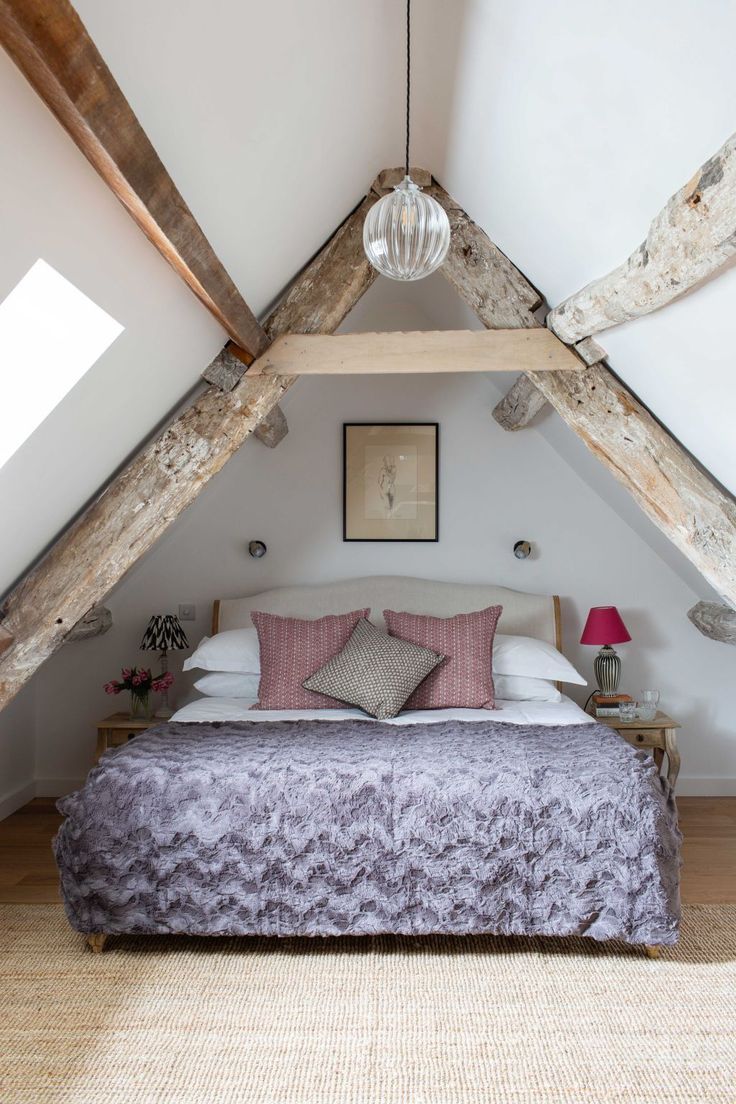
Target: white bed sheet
[564,712]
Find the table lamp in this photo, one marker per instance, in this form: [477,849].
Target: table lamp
[164,634]
[605,626]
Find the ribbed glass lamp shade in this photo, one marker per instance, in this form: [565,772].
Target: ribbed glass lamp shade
[406,234]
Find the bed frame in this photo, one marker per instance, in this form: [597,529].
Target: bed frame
[523,614]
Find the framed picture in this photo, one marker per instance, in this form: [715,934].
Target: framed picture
[390,481]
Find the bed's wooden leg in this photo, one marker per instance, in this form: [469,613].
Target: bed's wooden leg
[652,950]
[96,941]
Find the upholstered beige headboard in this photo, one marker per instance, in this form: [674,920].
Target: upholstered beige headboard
[536,615]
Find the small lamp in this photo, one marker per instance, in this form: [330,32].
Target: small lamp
[164,634]
[605,626]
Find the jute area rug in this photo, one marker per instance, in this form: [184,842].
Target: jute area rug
[171,1020]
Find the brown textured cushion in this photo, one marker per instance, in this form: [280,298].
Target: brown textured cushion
[464,680]
[374,671]
[292,649]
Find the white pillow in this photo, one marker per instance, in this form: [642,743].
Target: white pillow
[228,684]
[234,650]
[518,688]
[530,658]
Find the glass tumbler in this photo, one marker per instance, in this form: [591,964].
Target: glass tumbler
[649,700]
[627,711]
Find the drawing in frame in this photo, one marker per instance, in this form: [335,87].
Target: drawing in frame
[390,481]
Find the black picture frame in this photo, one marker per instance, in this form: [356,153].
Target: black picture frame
[346,427]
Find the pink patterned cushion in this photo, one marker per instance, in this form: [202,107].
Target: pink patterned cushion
[292,650]
[465,679]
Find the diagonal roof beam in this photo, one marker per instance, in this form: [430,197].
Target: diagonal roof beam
[140,504]
[692,237]
[683,500]
[50,45]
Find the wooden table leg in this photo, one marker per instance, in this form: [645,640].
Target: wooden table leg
[673,756]
[101,743]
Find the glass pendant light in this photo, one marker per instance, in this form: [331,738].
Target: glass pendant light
[406,235]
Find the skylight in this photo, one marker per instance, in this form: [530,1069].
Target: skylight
[50,335]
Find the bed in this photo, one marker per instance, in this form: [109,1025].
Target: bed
[529,819]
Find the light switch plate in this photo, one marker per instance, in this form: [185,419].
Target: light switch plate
[187,612]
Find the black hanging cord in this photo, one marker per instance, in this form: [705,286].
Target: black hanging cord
[408,77]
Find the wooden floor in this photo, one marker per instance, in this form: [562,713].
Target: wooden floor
[28,873]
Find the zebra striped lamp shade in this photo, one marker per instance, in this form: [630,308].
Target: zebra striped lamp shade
[164,634]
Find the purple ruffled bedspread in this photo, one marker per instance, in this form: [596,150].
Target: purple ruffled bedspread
[330,828]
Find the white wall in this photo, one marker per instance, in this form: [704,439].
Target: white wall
[571,126]
[495,488]
[17,752]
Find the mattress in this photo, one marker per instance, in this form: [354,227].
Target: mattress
[349,826]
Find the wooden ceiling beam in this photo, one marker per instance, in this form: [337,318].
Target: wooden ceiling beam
[715,621]
[523,401]
[680,497]
[423,351]
[50,45]
[692,237]
[141,503]
[683,500]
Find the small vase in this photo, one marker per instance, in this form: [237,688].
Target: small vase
[140,706]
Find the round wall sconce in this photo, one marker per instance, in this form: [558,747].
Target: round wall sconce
[257,549]
[522,550]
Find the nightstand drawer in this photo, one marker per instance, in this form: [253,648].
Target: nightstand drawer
[117,739]
[644,737]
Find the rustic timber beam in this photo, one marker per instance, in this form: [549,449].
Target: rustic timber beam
[95,623]
[691,238]
[424,351]
[6,639]
[388,179]
[715,621]
[273,428]
[142,502]
[523,401]
[50,45]
[684,501]
[520,405]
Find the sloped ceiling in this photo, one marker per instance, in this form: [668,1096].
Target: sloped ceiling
[560,128]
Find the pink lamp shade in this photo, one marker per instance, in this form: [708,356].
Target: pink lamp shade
[604,626]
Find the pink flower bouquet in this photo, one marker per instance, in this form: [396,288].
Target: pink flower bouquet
[140,682]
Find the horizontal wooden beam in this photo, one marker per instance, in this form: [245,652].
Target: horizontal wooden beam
[691,238]
[422,351]
[50,45]
[153,490]
[715,621]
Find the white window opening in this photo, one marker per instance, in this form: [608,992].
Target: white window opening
[51,334]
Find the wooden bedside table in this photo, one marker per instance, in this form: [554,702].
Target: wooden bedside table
[118,729]
[658,735]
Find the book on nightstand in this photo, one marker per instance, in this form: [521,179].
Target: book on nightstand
[606,705]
